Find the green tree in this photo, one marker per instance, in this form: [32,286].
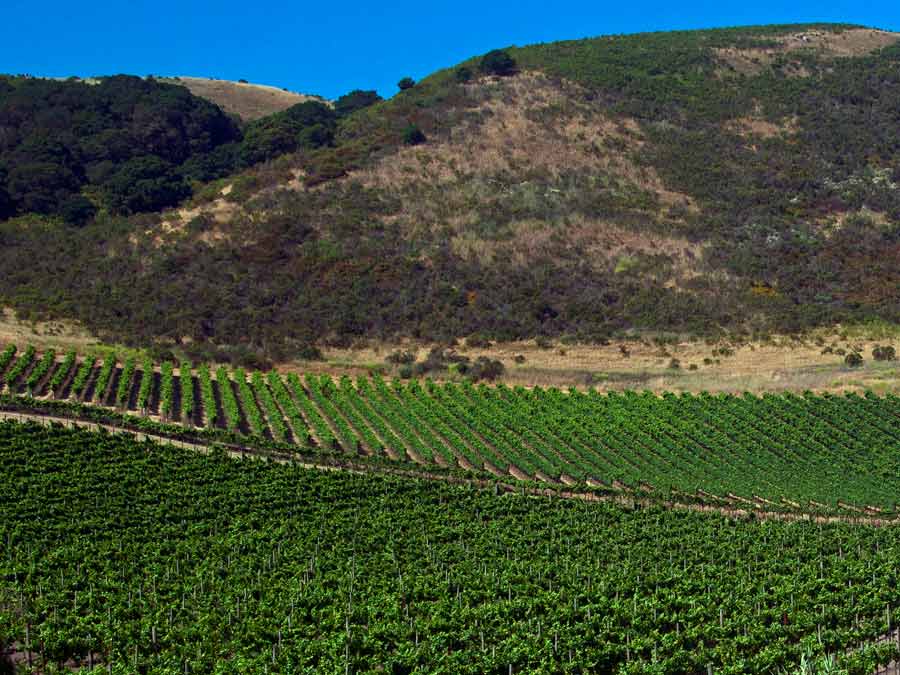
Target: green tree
[406,83]
[145,184]
[355,100]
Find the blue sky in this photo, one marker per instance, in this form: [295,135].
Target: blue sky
[329,48]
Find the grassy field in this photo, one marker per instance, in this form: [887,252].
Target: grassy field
[779,364]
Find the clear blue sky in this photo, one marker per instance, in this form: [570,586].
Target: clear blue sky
[329,48]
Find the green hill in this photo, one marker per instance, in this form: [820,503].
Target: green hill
[738,179]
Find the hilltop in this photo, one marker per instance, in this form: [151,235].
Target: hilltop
[247,100]
[722,181]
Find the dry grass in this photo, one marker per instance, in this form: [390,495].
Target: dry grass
[523,135]
[848,43]
[752,127]
[247,101]
[780,365]
[44,334]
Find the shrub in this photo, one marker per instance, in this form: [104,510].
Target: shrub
[885,353]
[355,100]
[518,358]
[463,74]
[406,83]
[853,360]
[398,357]
[478,341]
[497,62]
[674,364]
[413,135]
[310,353]
[543,343]
[486,369]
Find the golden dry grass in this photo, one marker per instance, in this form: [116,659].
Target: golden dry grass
[246,100]
[848,43]
[43,334]
[780,365]
[522,136]
[753,126]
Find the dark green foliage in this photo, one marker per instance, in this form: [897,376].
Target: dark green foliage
[6,204]
[145,183]
[355,100]
[77,210]
[60,137]
[406,83]
[413,135]
[463,74]
[497,62]
[307,125]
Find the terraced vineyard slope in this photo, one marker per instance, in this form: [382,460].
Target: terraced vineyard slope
[785,451]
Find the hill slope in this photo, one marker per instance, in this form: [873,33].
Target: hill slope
[740,179]
[246,100]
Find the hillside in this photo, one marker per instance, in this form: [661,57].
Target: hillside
[247,100]
[738,180]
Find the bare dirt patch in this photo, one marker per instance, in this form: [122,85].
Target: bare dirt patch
[247,101]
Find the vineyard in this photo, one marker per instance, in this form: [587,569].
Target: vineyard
[788,451]
[143,558]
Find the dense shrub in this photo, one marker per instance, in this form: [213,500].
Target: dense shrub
[463,74]
[853,360]
[413,135]
[398,357]
[145,183]
[77,210]
[406,83]
[884,353]
[497,62]
[308,125]
[355,100]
